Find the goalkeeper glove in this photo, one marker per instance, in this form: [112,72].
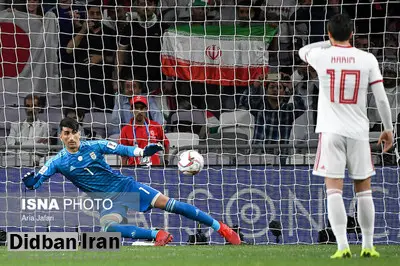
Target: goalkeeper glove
[29,180]
[152,149]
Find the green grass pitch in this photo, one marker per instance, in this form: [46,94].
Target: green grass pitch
[271,255]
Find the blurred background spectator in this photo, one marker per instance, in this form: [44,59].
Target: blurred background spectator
[31,131]
[140,46]
[142,131]
[91,49]
[122,112]
[274,114]
[70,17]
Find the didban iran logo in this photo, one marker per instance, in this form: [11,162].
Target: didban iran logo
[63,241]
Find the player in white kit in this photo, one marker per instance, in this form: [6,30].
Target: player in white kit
[345,74]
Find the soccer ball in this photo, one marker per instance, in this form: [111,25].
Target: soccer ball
[190,162]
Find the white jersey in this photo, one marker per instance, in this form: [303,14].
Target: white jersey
[345,74]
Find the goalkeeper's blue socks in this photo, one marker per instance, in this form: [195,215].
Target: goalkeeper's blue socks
[191,212]
[131,231]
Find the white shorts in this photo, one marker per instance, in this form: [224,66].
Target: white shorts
[335,152]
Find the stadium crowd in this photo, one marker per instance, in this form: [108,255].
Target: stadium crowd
[109,53]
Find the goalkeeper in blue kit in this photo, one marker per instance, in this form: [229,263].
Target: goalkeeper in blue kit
[83,163]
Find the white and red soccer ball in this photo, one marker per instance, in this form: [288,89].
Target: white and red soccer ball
[190,162]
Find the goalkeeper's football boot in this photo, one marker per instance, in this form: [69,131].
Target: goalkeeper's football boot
[163,238]
[229,235]
[369,253]
[342,254]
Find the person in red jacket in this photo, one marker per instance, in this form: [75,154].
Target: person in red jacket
[142,131]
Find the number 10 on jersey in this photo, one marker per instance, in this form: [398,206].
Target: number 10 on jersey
[343,75]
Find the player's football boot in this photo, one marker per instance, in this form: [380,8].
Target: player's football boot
[163,238]
[230,235]
[369,253]
[342,254]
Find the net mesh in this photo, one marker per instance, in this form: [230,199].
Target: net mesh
[200,67]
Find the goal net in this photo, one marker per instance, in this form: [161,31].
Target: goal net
[220,77]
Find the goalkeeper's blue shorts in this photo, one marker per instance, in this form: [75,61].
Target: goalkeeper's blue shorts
[137,197]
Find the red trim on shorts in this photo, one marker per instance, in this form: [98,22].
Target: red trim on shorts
[376,81]
[318,152]
[372,161]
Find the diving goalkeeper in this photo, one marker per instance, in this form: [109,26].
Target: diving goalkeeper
[82,162]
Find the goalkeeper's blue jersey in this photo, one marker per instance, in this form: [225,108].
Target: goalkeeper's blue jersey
[87,168]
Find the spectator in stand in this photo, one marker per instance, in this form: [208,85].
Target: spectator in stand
[175,11]
[115,16]
[274,113]
[182,11]
[122,112]
[305,82]
[199,12]
[310,20]
[70,17]
[31,131]
[113,25]
[142,131]
[140,47]
[91,49]
[35,7]
[229,11]
[245,13]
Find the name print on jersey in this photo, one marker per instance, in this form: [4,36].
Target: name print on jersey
[343,60]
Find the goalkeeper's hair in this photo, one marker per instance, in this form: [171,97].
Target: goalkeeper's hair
[340,26]
[69,123]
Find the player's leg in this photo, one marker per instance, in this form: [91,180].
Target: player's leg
[110,221]
[360,170]
[193,213]
[330,163]
[337,214]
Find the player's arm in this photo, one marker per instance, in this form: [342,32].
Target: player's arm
[110,147]
[382,103]
[34,181]
[123,139]
[310,52]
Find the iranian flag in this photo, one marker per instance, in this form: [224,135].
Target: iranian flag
[223,55]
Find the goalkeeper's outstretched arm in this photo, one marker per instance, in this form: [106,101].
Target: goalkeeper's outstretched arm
[110,147]
[33,181]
